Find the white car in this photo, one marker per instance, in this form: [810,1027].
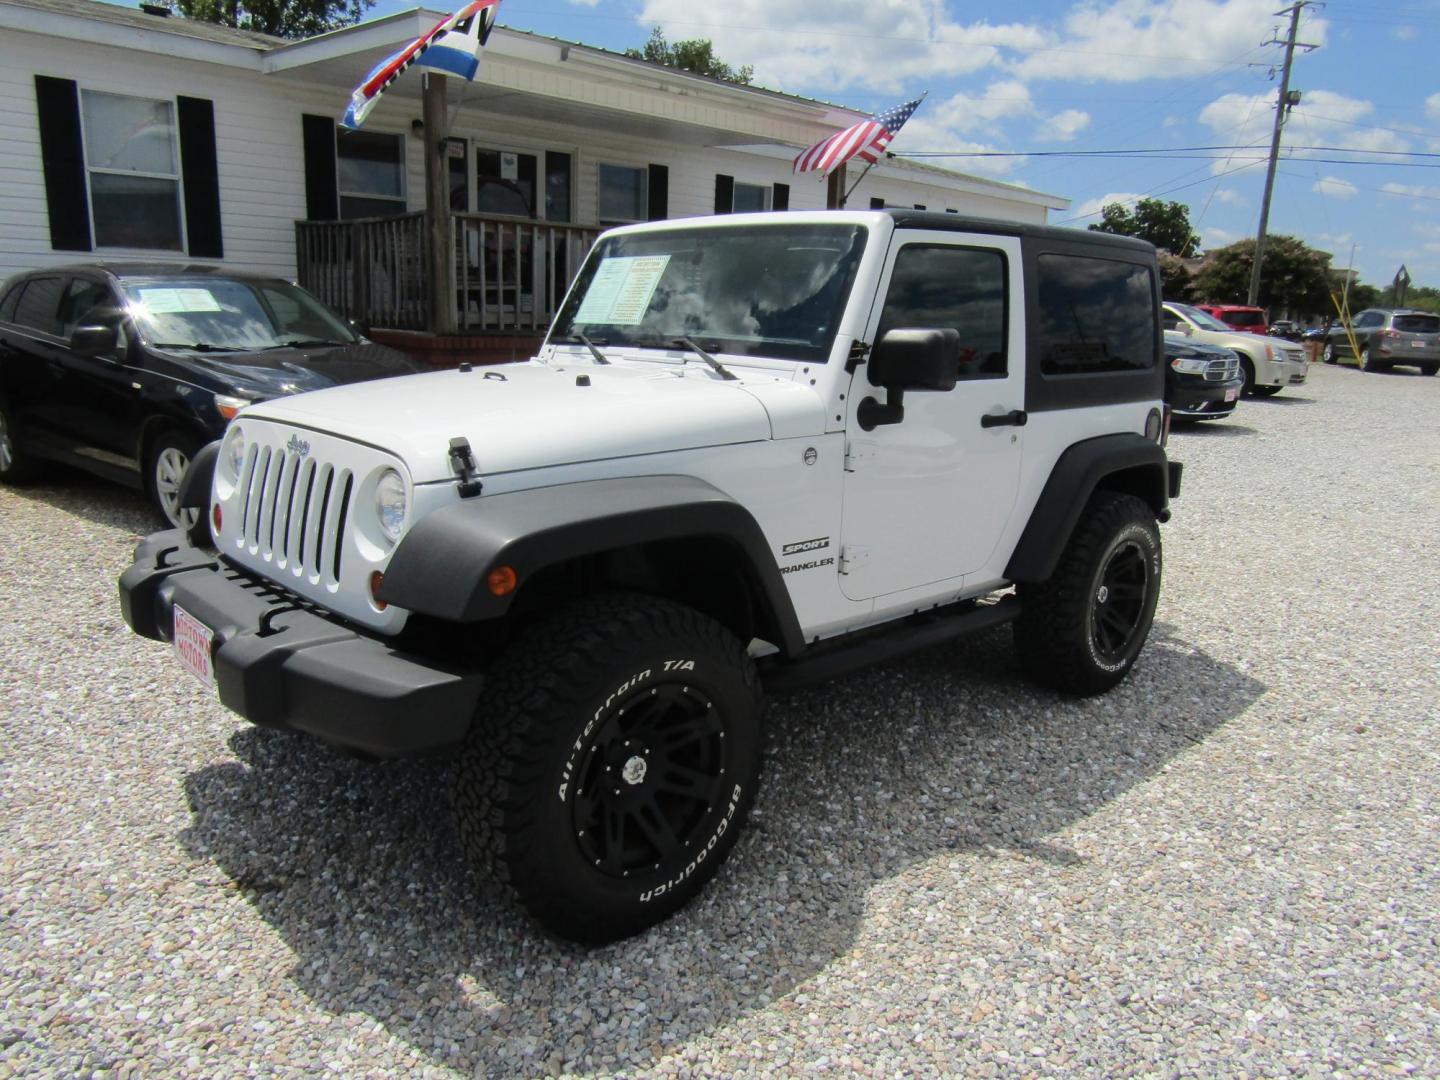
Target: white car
[1269,364]
[754,451]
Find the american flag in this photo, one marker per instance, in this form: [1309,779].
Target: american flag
[866,139]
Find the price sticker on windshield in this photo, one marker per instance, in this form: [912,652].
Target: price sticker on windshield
[177,301]
[620,292]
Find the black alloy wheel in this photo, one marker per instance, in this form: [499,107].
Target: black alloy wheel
[1118,611]
[646,781]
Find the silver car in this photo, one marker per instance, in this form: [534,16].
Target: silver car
[1383,337]
[1268,364]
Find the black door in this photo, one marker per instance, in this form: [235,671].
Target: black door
[101,412]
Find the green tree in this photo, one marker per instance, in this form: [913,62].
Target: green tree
[1295,277]
[1166,225]
[693,54]
[282,18]
[1176,280]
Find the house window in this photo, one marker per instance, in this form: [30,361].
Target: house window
[623,194]
[370,173]
[557,186]
[505,183]
[457,157]
[751,197]
[133,167]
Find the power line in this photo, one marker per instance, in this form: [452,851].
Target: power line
[1168,152]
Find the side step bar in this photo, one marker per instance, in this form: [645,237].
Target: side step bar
[886,643]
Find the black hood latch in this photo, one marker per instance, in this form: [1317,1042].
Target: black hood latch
[462,463]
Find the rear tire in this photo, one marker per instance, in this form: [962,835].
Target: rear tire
[1429,369]
[1372,364]
[613,764]
[1081,631]
[16,466]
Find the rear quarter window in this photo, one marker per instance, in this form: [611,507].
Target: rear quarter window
[1246,318]
[1418,324]
[1096,315]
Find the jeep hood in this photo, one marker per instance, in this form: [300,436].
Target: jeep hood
[531,415]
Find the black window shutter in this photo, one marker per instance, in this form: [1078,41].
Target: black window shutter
[202,177]
[780,199]
[724,193]
[877,203]
[67,195]
[659,190]
[322,201]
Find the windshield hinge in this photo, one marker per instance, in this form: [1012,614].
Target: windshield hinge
[858,352]
[853,558]
[462,463]
[856,452]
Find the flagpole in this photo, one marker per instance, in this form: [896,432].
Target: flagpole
[846,197]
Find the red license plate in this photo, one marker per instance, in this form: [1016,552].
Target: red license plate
[193,644]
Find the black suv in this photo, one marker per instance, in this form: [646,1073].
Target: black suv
[127,370]
[1202,382]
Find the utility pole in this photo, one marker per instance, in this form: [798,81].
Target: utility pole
[1282,110]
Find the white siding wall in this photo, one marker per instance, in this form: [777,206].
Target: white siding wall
[260,153]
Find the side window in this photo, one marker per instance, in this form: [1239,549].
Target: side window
[942,286]
[8,302]
[86,302]
[1096,315]
[1169,320]
[38,305]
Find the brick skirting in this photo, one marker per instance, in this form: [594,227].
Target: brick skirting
[446,352]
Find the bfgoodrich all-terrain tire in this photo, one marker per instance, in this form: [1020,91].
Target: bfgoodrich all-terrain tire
[612,764]
[1081,630]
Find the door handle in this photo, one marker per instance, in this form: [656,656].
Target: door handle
[1015,417]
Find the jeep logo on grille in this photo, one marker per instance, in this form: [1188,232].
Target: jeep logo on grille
[298,446]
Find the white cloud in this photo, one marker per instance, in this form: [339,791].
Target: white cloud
[1324,118]
[1405,33]
[1432,106]
[1092,207]
[1133,40]
[1214,238]
[1229,197]
[1412,190]
[1063,126]
[1335,188]
[796,44]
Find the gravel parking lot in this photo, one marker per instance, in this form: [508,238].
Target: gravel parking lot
[1227,867]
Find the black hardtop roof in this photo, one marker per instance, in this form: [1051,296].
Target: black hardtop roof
[931,219]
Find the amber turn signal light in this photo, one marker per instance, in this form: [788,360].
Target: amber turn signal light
[215,518]
[502,580]
[376,580]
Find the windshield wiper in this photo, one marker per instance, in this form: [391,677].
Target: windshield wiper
[305,343]
[193,346]
[721,369]
[581,339]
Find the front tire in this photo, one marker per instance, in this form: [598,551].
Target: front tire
[609,772]
[1248,370]
[1081,631]
[1429,369]
[169,458]
[1371,363]
[1267,391]
[16,467]
[1328,354]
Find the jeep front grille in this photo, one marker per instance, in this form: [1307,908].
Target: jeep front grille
[294,511]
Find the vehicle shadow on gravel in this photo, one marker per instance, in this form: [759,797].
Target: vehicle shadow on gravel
[91,498]
[948,753]
[1211,429]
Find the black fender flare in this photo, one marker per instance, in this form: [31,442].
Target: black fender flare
[199,477]
[1128,462]
[442,565]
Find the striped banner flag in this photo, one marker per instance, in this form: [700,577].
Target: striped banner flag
[452,46]
[866,140]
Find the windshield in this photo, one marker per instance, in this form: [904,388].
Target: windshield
[750,290]
[1202,319]
[221,313]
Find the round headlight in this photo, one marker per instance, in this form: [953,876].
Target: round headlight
[235,453]
[390,504]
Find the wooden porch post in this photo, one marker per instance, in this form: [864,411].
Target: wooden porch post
[437,209]
[835,189]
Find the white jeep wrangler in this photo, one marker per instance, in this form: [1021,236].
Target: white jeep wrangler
[754,451]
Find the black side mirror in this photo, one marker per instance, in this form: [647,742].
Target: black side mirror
[909,360]
[93,340]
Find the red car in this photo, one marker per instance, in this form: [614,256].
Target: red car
[1239,317]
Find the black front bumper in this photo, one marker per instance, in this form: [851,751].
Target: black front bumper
[280,664]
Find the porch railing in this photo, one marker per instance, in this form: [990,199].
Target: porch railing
[371,269]
[510,274]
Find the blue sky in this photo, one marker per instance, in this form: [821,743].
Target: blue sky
[1054,75]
